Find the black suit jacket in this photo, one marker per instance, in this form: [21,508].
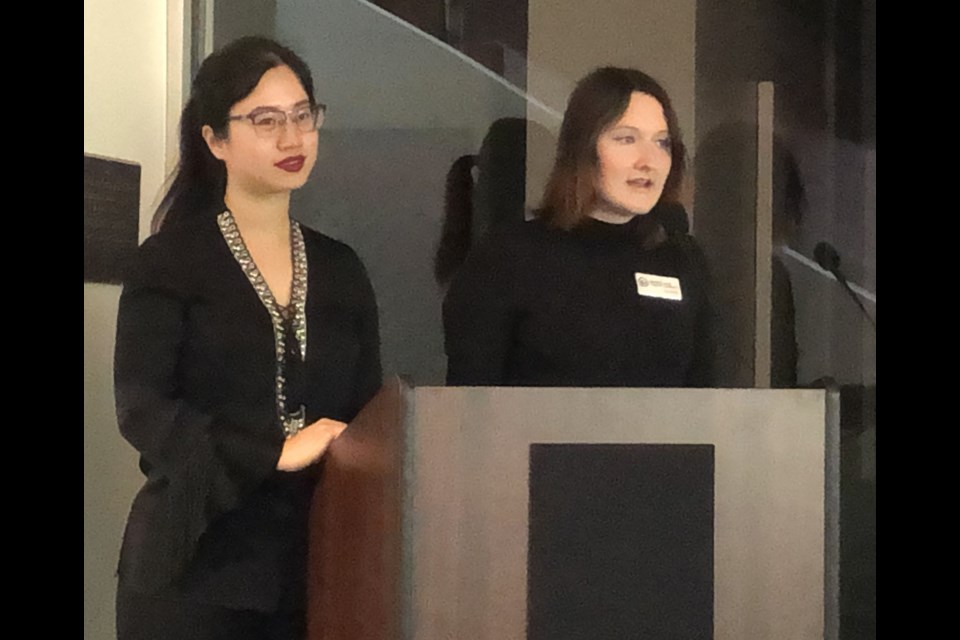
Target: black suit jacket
[195,373]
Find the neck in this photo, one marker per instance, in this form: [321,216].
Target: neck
[606,212]
[259,213]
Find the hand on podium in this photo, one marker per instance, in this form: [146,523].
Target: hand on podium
[309,444]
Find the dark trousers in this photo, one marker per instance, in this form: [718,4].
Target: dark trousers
[145,617]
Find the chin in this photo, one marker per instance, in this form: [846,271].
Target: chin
[294,182]
[634,206]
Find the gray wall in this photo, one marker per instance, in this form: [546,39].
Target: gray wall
[235,18]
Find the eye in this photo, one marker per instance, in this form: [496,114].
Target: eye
[304,115]
[266,120]
[625,139]
[664,143]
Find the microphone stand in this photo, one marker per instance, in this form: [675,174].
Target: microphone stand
[828,258]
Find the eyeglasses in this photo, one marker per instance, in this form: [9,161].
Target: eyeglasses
[269,122]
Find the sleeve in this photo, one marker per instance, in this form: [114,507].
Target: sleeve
[369,375]
[479,317]
[702,372]
[206,467]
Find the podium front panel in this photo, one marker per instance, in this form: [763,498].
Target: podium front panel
[466,519]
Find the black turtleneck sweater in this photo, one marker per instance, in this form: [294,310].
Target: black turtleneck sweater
[535,306]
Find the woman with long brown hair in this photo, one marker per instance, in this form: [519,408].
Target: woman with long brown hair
[604,287]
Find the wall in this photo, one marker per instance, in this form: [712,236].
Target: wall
[237,18]
[125,47]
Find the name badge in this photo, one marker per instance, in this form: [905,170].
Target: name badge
[654,286]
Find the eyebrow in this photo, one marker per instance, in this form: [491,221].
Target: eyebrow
[632,128]
[272,107]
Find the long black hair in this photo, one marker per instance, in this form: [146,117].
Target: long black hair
[225,77]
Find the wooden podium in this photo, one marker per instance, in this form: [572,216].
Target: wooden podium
[493,513]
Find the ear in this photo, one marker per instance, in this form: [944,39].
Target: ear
[214,143]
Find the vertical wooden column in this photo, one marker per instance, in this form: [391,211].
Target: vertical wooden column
[355,528]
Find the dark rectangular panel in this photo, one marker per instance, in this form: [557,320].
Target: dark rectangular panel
[620,541]
[111,215]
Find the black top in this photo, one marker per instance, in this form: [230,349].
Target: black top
[292,363]
[195,380]
[543,307]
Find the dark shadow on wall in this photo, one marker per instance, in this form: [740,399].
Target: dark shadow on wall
[483,192]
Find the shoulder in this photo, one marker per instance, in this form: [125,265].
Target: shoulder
[331,249]
[516,243]
[332,258]
[501,263]
[687,244]
[689,255]
[175,254]
[321,242]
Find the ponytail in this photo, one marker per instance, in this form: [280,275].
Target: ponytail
[456,236]
[199,181]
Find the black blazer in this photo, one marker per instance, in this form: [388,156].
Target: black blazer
[195,391]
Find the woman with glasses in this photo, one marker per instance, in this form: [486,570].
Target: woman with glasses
[604,287]
[245,342]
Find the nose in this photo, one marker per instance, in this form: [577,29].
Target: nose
[646,154]
[289,135]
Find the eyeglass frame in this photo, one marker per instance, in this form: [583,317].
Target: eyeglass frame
[319,110]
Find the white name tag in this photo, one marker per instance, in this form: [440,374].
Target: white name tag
[654,286]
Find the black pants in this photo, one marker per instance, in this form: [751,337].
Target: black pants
[145,617]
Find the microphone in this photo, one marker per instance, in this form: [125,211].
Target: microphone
[829,260]
[827,257]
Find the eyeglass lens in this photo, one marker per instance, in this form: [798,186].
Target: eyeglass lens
[306,119]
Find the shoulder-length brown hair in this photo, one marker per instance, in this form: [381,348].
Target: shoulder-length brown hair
[597,102]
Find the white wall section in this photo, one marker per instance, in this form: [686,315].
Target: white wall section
[125,116]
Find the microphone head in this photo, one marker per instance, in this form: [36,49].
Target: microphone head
[826,256]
